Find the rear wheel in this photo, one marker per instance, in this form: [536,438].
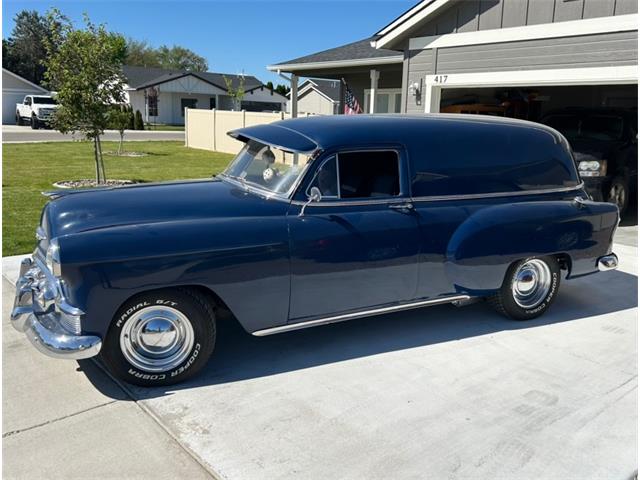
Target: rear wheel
[529,288]
[160,337]
[18,119]
[619,193]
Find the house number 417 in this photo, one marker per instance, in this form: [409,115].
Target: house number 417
[440,78]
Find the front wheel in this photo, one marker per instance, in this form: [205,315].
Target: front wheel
[35,124]
[529,288]
[160,338]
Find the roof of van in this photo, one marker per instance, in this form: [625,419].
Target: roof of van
[307,134]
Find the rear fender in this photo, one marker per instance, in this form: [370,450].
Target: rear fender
[489,241]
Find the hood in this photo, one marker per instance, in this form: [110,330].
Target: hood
[83,210]
[589,149]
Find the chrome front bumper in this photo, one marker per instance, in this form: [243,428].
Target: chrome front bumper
[608,262]
[44,328]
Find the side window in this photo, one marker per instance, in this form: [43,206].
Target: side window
[27,101]
[369,174]
[326,179]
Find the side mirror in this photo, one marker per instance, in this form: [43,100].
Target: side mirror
[315,195]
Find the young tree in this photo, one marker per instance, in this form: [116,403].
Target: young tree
[119,120]
[85,65]
[235,91]
[269,85]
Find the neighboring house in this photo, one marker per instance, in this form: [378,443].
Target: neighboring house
[162,95]
[320,97]
[14,89]
[526,56]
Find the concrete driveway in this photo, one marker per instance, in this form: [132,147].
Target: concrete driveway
[18,134]
[442,392]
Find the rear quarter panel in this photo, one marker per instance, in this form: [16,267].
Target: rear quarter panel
[482,248]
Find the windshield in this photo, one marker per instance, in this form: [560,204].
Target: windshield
[44,100]
[267,167]
[593,127]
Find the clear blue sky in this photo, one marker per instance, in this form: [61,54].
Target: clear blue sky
[232,35]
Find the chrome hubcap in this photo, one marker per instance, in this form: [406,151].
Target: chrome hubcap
[531,283]
[156,339]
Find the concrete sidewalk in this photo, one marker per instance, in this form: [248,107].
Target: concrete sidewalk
[65,419]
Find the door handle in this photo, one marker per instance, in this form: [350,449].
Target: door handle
[404,206]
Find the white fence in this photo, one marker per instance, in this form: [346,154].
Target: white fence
[207,129]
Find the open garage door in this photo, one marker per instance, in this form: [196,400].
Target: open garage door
[600,122]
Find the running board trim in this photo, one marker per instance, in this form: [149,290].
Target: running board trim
[363,313]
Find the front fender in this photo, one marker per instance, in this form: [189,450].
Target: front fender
[244,261]
[490,240]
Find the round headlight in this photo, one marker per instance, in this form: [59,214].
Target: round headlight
[53,257]
[590,165]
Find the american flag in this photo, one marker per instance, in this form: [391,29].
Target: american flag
[351,105]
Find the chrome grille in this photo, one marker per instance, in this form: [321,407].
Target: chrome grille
[72,324]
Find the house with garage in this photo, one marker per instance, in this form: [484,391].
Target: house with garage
[14,89]
[318,97]
[513,58]
[162,95]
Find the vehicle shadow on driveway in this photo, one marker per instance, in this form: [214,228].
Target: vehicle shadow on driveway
[240,356]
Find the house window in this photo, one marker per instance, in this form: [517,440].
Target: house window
[152,105]
[388,100]
[188,103]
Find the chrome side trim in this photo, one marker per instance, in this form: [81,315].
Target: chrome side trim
[359,314]
[472,196]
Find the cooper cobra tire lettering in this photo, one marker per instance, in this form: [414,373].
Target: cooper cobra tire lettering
[504,302]
[192,358]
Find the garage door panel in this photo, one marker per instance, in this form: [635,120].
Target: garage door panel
[588,50]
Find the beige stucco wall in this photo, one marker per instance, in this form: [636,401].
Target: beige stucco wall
[207,129]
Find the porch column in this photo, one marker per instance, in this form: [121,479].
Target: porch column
[294,95]
[374,75]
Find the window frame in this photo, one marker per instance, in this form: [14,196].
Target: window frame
[302,195]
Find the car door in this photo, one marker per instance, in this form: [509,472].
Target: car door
[357,247]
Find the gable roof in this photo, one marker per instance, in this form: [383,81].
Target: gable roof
[145,77]
[330,89]
[410,18]
[24,80]
[360,52]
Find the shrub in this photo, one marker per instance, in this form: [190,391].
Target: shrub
[132,123]
[138,124]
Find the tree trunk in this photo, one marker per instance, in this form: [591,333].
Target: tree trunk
[104,176]
[120,144]
[97,159]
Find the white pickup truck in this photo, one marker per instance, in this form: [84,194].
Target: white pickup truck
[35,110]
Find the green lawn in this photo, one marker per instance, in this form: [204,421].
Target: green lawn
[165,128]
[29,169]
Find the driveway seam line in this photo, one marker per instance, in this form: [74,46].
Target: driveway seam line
[55,420]
[214,474]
